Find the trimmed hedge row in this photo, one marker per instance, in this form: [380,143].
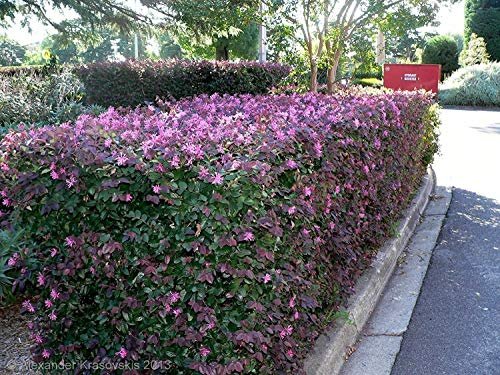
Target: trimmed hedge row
[132,83]
[218,234]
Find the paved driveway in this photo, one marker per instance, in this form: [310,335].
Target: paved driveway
[455,327]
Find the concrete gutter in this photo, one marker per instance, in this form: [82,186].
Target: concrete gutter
[332,348]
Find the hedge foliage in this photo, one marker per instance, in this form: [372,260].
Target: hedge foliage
[441,49]
[476,85]
[132,83]
[217,234]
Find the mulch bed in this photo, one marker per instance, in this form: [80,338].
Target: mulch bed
[15,343]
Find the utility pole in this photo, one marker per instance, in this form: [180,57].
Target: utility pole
[262,36]
[136,36]
[136,46]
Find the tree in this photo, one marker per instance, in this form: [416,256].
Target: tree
[326,26]
[11,52]
[482,17]
[443,50]
[216,19]
[475,53]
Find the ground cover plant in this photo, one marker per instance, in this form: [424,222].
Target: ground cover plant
[217,234]
[132,83]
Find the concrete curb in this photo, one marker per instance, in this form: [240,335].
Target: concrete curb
[331,348]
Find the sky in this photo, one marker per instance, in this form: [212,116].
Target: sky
[451,18]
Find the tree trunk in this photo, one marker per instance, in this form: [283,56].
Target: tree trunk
[221,52]
[333,65]
[313,86]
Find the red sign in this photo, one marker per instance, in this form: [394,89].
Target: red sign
[412,76]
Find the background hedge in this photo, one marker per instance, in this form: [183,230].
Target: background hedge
[218,234]
[132,83]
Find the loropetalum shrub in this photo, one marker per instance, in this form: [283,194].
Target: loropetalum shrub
[218,234]
[133,83]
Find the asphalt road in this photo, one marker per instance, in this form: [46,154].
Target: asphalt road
[455,327]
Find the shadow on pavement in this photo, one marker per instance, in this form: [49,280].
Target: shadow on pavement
[454,327]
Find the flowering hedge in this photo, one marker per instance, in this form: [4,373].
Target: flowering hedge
[132,83]
[218,234]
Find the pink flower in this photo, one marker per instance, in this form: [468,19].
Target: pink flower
[286,332]
[28,306]
[296,315]
[53,252]
[204,351]
[203,173]
[54,175]
[4,167]
[307,191]
[45,353]
[40,279]
[13,260]
[157,189]
[292,210]
[266,278]
[54,294]
[107,142]
[366,169]
[6,202]
[217,179]
[70,242]
[290,353]
[122,353]
[71,181]
[52,316]
[174,297]
[121,159]
[37,338]
[128,197]
[291,164]
[292,302]
[48,303]
[175,162]
[248,236]
[177,312]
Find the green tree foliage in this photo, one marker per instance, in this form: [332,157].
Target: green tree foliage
[475,53]
[443,50]
[168,47]
[215,19]
[482,17]
[11,52]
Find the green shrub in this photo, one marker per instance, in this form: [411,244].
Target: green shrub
[473,85]
[475,53]
[35,98]
[368,82]
[443,50]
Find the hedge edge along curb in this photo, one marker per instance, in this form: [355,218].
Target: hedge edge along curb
[330,349]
